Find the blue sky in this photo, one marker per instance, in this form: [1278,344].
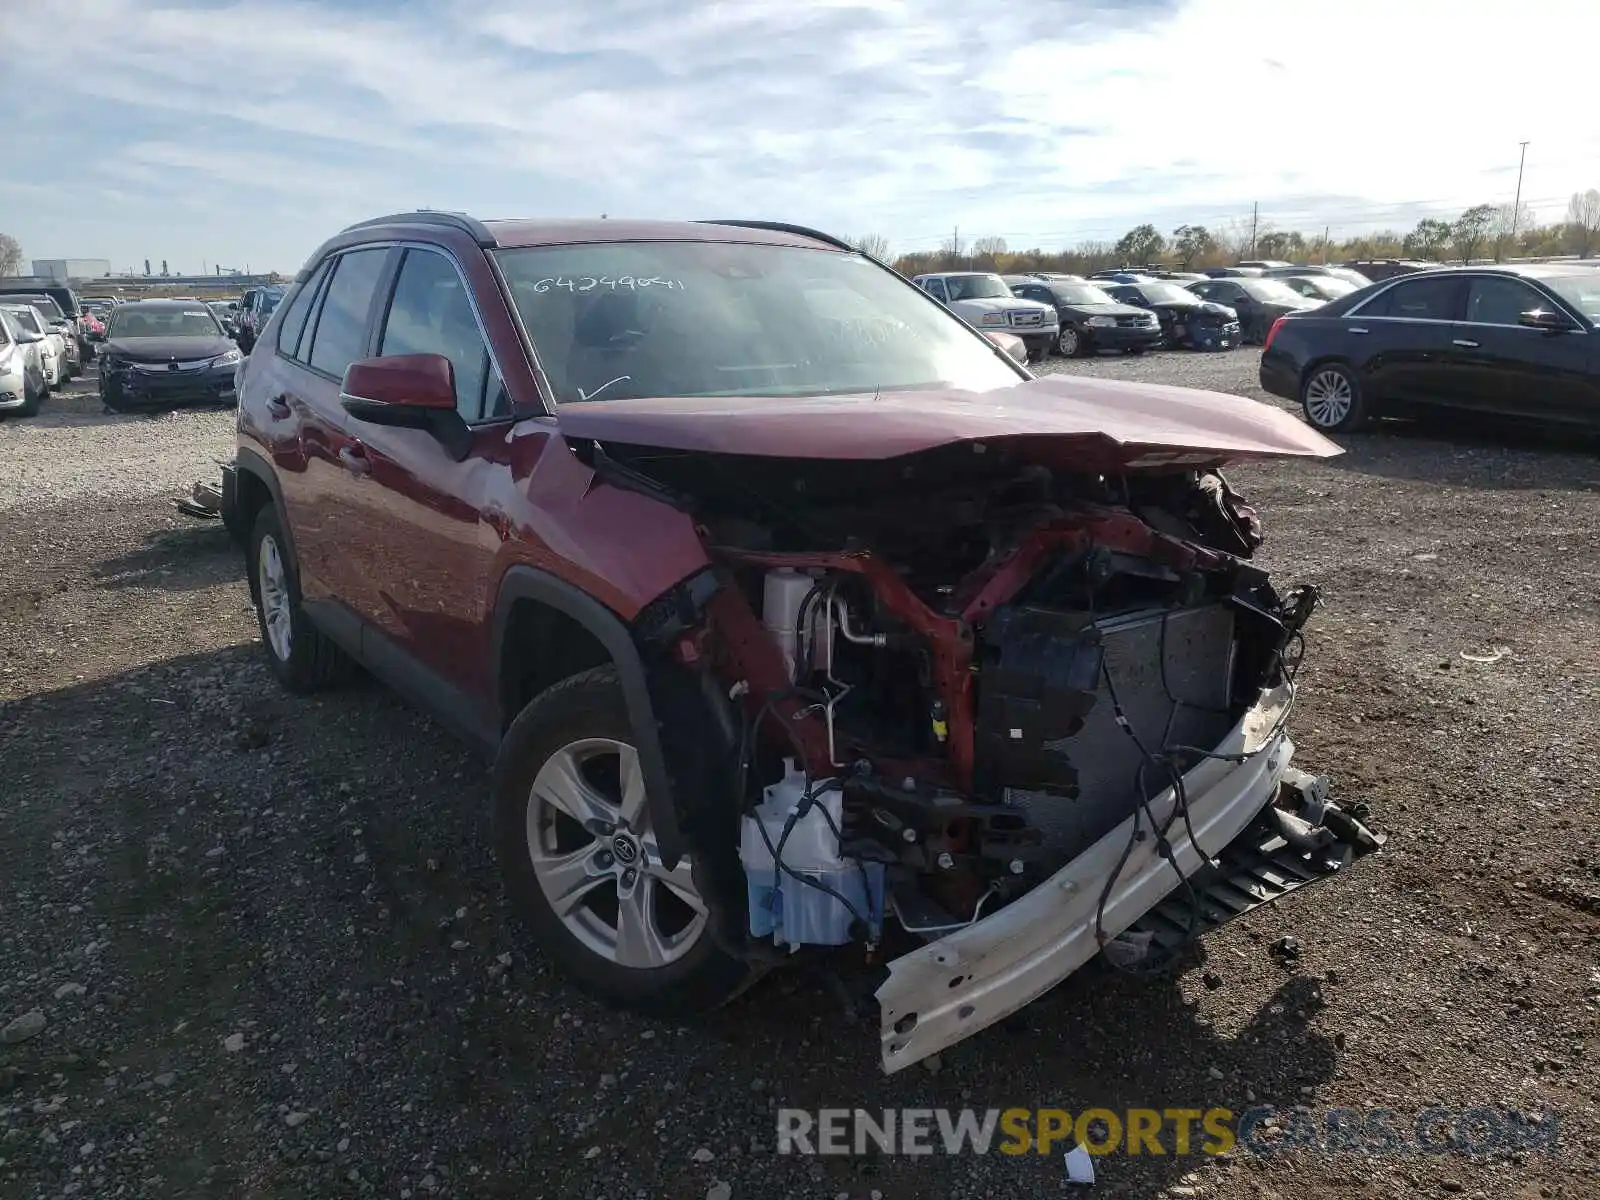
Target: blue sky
[245,131]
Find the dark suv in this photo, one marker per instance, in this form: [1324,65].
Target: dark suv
[793,611]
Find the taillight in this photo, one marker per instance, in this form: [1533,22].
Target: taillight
[1271,333]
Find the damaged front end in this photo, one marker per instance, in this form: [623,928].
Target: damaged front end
[1026,711]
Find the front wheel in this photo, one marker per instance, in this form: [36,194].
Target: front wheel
[1069,344]
[1331,398]
[576,846]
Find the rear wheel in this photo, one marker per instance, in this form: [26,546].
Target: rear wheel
[575,841]
[302,657]
[1331,398]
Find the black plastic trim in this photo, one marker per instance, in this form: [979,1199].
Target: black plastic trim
[474,228]
[785,227]
[255,463]
[528,583]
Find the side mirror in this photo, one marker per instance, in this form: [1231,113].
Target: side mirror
[1014,346]
[1546,319]
[408,391]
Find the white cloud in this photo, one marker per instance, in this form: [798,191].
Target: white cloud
[907,117]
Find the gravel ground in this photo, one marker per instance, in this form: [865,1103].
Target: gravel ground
[269,952]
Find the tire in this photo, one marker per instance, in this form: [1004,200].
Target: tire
[1070,343]
[302,657]
[31,398]
[677,967]
[1135,351]
[1330,397]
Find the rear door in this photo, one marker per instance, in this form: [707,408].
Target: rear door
[1400,339]
[1501,366]
[332,332]
[425,543]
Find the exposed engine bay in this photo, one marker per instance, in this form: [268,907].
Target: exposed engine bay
[957,671]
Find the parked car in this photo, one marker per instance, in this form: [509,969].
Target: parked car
[52,346]
[1060,276]
[164,353]
[637,509]
[1354,278]
[22,385]
[1320,288]
[1088,320]
[1378,269]
[1259,302]
[1233,272]
[1262,264]
[984,301]
[1185,319]
[1511,341]
[69,329]
[64,298]
[255,307]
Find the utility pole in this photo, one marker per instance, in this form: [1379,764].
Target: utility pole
[1325,230]
[1255,215]
[1516,205]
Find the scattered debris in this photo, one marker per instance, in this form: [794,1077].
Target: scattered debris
[1212,981]
[1128,949]
[28,1025]
[233,1043]
[1286,947]
[702,1155]
[1080,1166]
[1495,657]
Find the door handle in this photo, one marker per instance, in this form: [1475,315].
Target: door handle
[1467,342]
[278,406]
[1359,329]
[354,458]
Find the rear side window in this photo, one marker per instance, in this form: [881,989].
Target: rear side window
[294,318]
[431,313]
[339,336]
[1418,300]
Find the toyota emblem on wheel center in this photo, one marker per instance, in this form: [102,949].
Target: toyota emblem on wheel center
[626,849]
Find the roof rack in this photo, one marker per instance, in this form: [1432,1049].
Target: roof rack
[471,226]
[784,227]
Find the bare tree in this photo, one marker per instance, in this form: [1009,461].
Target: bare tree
[953,253]
[10,255]
[1510,224]
[986,252]
[873,245]
[1583,222]
[1233,238]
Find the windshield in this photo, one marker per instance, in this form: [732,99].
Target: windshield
[27,318]
[977,287]
[46,306]
[1079,293]
[269,301]
[1167,293]
[630,319]
[163,322]
[1580,291]
[1321,287]
[1269,290]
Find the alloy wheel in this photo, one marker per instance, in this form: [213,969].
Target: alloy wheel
[1067,341]
[1328,398]
[596,859]
[274,588]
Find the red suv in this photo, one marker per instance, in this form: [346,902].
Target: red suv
[793,611]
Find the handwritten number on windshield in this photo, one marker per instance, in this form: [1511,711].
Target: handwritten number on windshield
[590,283]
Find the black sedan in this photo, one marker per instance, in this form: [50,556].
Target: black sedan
[1510,341]
[1091,320]
[1259,302]
[1184,318]
[162,353]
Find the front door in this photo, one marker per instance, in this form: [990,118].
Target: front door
[1501,366]
[1400,339]
[428,542]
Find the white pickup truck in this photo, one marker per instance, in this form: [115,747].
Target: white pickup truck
[983,300]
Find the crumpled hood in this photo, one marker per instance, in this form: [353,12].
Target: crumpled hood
[164,349]
[1066,419]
